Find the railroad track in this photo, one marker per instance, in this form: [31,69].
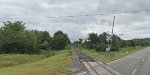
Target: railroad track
[82,56]
[93,67]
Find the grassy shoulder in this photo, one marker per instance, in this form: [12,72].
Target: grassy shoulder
[102,55]
[53,65]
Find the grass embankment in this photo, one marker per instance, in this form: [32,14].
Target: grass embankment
[53,65]
[102,55]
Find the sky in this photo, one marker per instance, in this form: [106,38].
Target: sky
[51,16]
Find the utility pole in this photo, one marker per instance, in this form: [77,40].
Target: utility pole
[113,25]
[109,37]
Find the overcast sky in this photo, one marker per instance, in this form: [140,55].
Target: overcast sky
[33,13]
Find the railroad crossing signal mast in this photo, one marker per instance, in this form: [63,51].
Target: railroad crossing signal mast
[109,37]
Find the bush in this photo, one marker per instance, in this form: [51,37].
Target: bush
[48,53]
[115,48]
[68,47]
[101,47]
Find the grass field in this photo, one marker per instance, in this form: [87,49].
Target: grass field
[8,60]
[102,55]
[53,65]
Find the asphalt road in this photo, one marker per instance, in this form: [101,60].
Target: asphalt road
[134,64]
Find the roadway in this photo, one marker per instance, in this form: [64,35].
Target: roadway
[134,64]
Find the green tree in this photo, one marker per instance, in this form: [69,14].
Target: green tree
[116,43]
[102,37]
[43,36]
[47,38]
[60,40]
[131,43]
[80,40]
[101,47]
[45,45]
[16,39]
[124,43]
[12,37]
[93,39]
[31,42]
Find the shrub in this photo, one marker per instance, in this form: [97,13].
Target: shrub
[101,47]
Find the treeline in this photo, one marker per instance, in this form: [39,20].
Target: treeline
[136,42]
[15,38]
[99,43]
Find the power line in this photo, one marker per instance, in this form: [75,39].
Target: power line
[86,15]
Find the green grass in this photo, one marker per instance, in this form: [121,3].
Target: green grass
[53,65]
[7,60]
[102,55]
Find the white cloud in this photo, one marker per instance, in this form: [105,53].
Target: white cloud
[32,12]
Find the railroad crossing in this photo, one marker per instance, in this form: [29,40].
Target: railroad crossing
[91,65]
